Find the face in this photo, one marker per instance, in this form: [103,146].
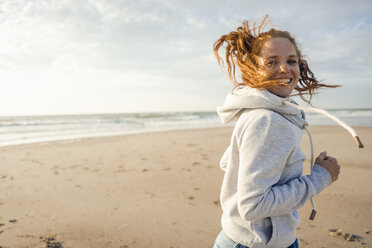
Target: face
[279,56]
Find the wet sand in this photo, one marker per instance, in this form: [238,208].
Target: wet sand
[161,190]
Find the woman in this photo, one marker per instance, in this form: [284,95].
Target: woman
[263,184]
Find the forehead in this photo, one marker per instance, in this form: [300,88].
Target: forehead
[278,47]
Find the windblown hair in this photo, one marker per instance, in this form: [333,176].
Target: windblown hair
[243,48]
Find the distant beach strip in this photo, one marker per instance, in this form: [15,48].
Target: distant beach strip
[16,130]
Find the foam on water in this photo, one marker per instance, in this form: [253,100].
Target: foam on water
[30,129]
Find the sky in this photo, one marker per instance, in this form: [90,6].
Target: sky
[117,56]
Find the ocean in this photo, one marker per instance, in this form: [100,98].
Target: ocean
[16,130]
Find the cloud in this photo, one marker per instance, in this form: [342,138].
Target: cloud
[124,47]
[343,54]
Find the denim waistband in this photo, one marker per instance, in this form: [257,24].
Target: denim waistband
[222,241]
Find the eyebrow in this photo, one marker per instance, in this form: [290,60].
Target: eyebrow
[273,57]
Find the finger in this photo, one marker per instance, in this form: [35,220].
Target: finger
[322,155]
[330,159]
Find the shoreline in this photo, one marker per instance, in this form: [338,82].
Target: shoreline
[105,136]
[97,136]
[160,189]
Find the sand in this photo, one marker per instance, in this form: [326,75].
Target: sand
[161,190]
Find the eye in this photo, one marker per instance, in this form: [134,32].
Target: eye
[271,63]
[292,62]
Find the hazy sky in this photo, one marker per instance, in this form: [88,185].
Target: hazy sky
[96,56]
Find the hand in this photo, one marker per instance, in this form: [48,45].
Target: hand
[330,164]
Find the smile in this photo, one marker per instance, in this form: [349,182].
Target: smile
[286,80]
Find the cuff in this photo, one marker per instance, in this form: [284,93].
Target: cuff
[320,178]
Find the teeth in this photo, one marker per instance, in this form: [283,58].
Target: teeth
[287,81]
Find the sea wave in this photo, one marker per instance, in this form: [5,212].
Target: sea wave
[29,129]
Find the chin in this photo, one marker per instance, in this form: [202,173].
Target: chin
[286,95]
[281,93]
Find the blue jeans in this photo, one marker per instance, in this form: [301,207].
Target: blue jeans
[222,241]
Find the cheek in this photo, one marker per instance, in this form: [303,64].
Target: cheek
[296,71]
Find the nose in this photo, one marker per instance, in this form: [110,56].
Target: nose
[283,67]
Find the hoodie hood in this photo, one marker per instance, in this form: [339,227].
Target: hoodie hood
[247,98]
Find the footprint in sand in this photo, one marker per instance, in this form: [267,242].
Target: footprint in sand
[37,162]
[195,163]
[191,144]
[205,156]
[51,242]
[73,166]
[338,233]
[303,242]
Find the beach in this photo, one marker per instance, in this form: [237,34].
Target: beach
[161,189]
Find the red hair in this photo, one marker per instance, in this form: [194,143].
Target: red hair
[243,48]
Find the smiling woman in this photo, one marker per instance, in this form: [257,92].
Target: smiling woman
[249,48]
[263,185]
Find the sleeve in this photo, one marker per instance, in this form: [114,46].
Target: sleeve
[225,158]
[264,147]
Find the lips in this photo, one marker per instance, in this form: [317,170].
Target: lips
[285,80]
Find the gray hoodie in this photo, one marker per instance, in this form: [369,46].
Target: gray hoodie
[263,184]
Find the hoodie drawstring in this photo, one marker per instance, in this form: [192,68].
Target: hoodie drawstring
[341,123]
[313,212]
[322,111]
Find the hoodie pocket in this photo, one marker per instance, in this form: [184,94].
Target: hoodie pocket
[264,230]
[274,232]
